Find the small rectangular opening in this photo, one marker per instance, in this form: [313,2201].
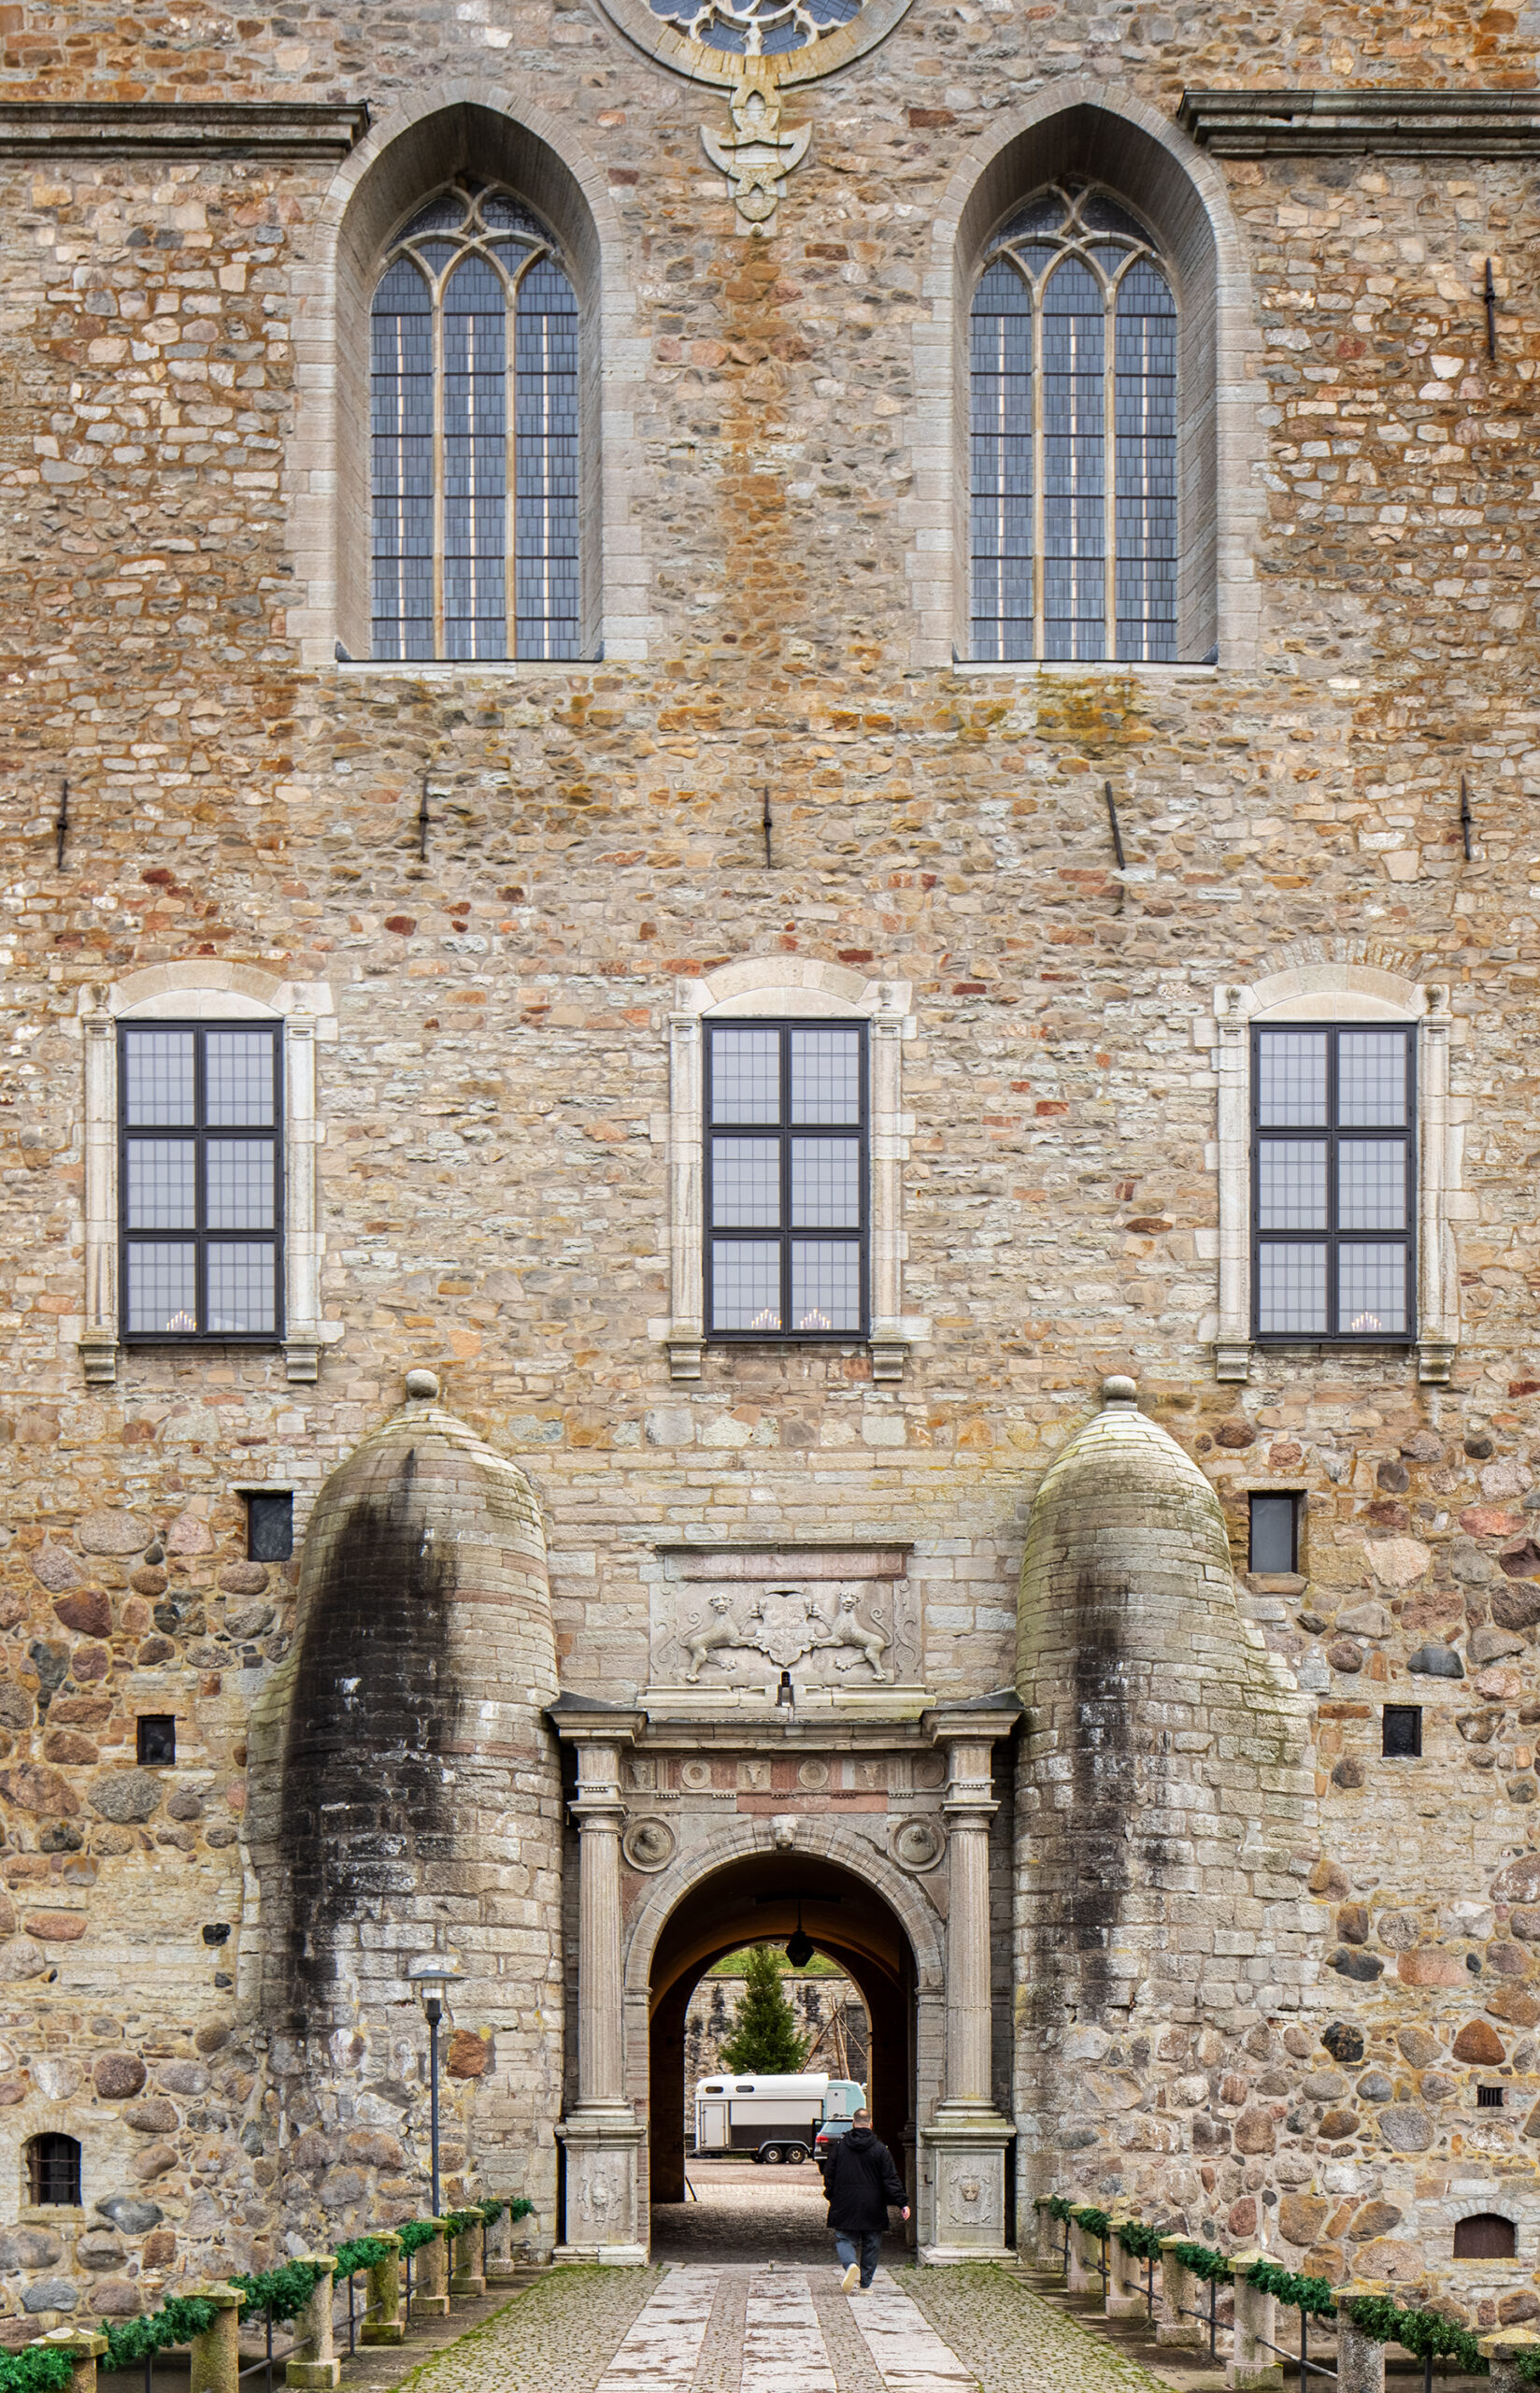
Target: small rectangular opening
[156,1738]
[1400,1730]
[1274,1534]
[270,1526]
[53,2170]
[1489,2098]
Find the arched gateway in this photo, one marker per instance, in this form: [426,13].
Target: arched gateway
[697,1835]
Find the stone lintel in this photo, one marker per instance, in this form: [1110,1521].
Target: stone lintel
[1388,123]
[891,1716]
[189,129]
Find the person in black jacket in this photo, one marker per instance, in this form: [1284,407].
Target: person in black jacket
[861,2181]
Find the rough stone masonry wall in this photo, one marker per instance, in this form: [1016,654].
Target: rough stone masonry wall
[493,1179]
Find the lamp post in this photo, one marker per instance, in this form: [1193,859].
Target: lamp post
[432,1976]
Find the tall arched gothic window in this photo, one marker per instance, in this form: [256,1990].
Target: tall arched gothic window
[1074,437]
[474,400]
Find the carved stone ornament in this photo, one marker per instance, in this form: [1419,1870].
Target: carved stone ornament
[649,1844]
[843,1618]
[917,1845]
[969,2194]
[756,157]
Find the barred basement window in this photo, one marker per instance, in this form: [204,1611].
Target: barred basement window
[475,295]
[1489,2098]
[786,1216]
[1332,1192]
[1073,472]
[202,1185]
[1401,1731]
[53,2170]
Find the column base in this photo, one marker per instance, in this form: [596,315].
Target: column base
[962,2186]
[430,2305]
[313,2374]
[464,2282]
[603,2219]
[1178,2336]
[1268,2379]
[1127,2305]
[383,2331]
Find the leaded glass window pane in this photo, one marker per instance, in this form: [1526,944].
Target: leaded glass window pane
[1318,1184]
[803,1170]
[1072,438]
[201,1110]
[474,295]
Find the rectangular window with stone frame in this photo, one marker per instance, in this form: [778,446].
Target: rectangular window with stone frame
[1334,1198]
[787,1180]
[201,1183]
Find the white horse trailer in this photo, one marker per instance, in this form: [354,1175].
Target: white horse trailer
[776,2118]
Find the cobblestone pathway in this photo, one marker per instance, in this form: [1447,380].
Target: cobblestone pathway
[724,2329]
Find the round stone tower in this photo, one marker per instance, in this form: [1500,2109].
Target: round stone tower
[406,1797]
[1162,1795]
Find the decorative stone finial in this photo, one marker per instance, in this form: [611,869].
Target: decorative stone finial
[422,1386]
[1115,1391]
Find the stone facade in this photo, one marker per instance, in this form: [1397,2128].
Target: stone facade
[492,907]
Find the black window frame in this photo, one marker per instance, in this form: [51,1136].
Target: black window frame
[199,1133]
[785,1131]
[1295,1502]
[1333,1236]
[156,1722]
[273,1497]
[50,2155]
[1401,1753]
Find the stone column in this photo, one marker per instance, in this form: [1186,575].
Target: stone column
[469,2277]
[315,2363]
[1125,2295]
[602,2135]
[430,2291]
[1050,2239]
[82,2349]
[1175,2331]
[963,2215]
[1083,2274]
[382,2323]
[1360,2363]
[500,2267]
[1504,2353]
[1251,2364]
[216,2355]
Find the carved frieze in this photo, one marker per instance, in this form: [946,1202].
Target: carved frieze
[730,1622]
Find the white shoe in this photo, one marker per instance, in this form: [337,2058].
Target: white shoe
[851,2281]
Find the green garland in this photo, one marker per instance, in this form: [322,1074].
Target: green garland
[1313,2295]
[1204,2262]
[1141,2241]
[177,2321]
[362,2252]
[1093,2221]
[414,2233]
[1419,2331]
[1056,2206]
[278,2293]
[34,2369]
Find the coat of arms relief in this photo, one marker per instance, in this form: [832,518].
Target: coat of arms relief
[829,1618]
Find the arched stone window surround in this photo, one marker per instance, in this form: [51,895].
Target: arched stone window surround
[775,987]
[1100,134]
[1333,992]
[457,127]
[206,992]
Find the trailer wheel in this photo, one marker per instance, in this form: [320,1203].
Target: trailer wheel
[771,2153]
[796,2154]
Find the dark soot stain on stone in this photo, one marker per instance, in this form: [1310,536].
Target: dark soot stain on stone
[363,1796]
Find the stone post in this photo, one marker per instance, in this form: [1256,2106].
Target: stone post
[83,2348]
[315,2363]
[1251,2364]
[216,2355]
[430,2291]
[1125,2294]
[500,2268]
[601,2219]
[468,2277]
[1360,2361]
[1504,2352]
[963,2199]
[382,2324]
[1085,2251]
[1050,2240]
[1180,2293]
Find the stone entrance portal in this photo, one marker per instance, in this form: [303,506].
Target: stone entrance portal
[698,1826]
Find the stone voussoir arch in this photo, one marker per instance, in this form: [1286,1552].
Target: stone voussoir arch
[1125,141]
[818,1839]
[326,463]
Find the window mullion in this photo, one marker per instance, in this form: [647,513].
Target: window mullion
[200,1177]
[785,1136]
[1039,480]
[1333,1213]
[510,470]
[438,503]
[1109,468]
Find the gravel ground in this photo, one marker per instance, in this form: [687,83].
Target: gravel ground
[749,2214]
[557,2338]
[1013,2342]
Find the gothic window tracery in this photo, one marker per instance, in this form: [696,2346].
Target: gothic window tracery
[1073,436]
[474,533]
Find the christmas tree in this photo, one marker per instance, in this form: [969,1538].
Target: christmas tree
[764,2039]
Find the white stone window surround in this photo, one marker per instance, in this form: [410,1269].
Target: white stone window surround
[776,989]
[1103,132]
[199,992]
[458,124]
[1338,992]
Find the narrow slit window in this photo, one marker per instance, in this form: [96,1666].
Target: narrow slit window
[269,1527]
[155,1740]
[787,1180]
[1332,1192]
[1274,1545]
[1072,438]
[474,437]
[1401,1731]
[201,1187]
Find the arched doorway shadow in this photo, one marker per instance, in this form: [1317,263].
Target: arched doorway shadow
[885,1937]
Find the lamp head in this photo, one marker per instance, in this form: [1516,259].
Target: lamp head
[431,1977]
